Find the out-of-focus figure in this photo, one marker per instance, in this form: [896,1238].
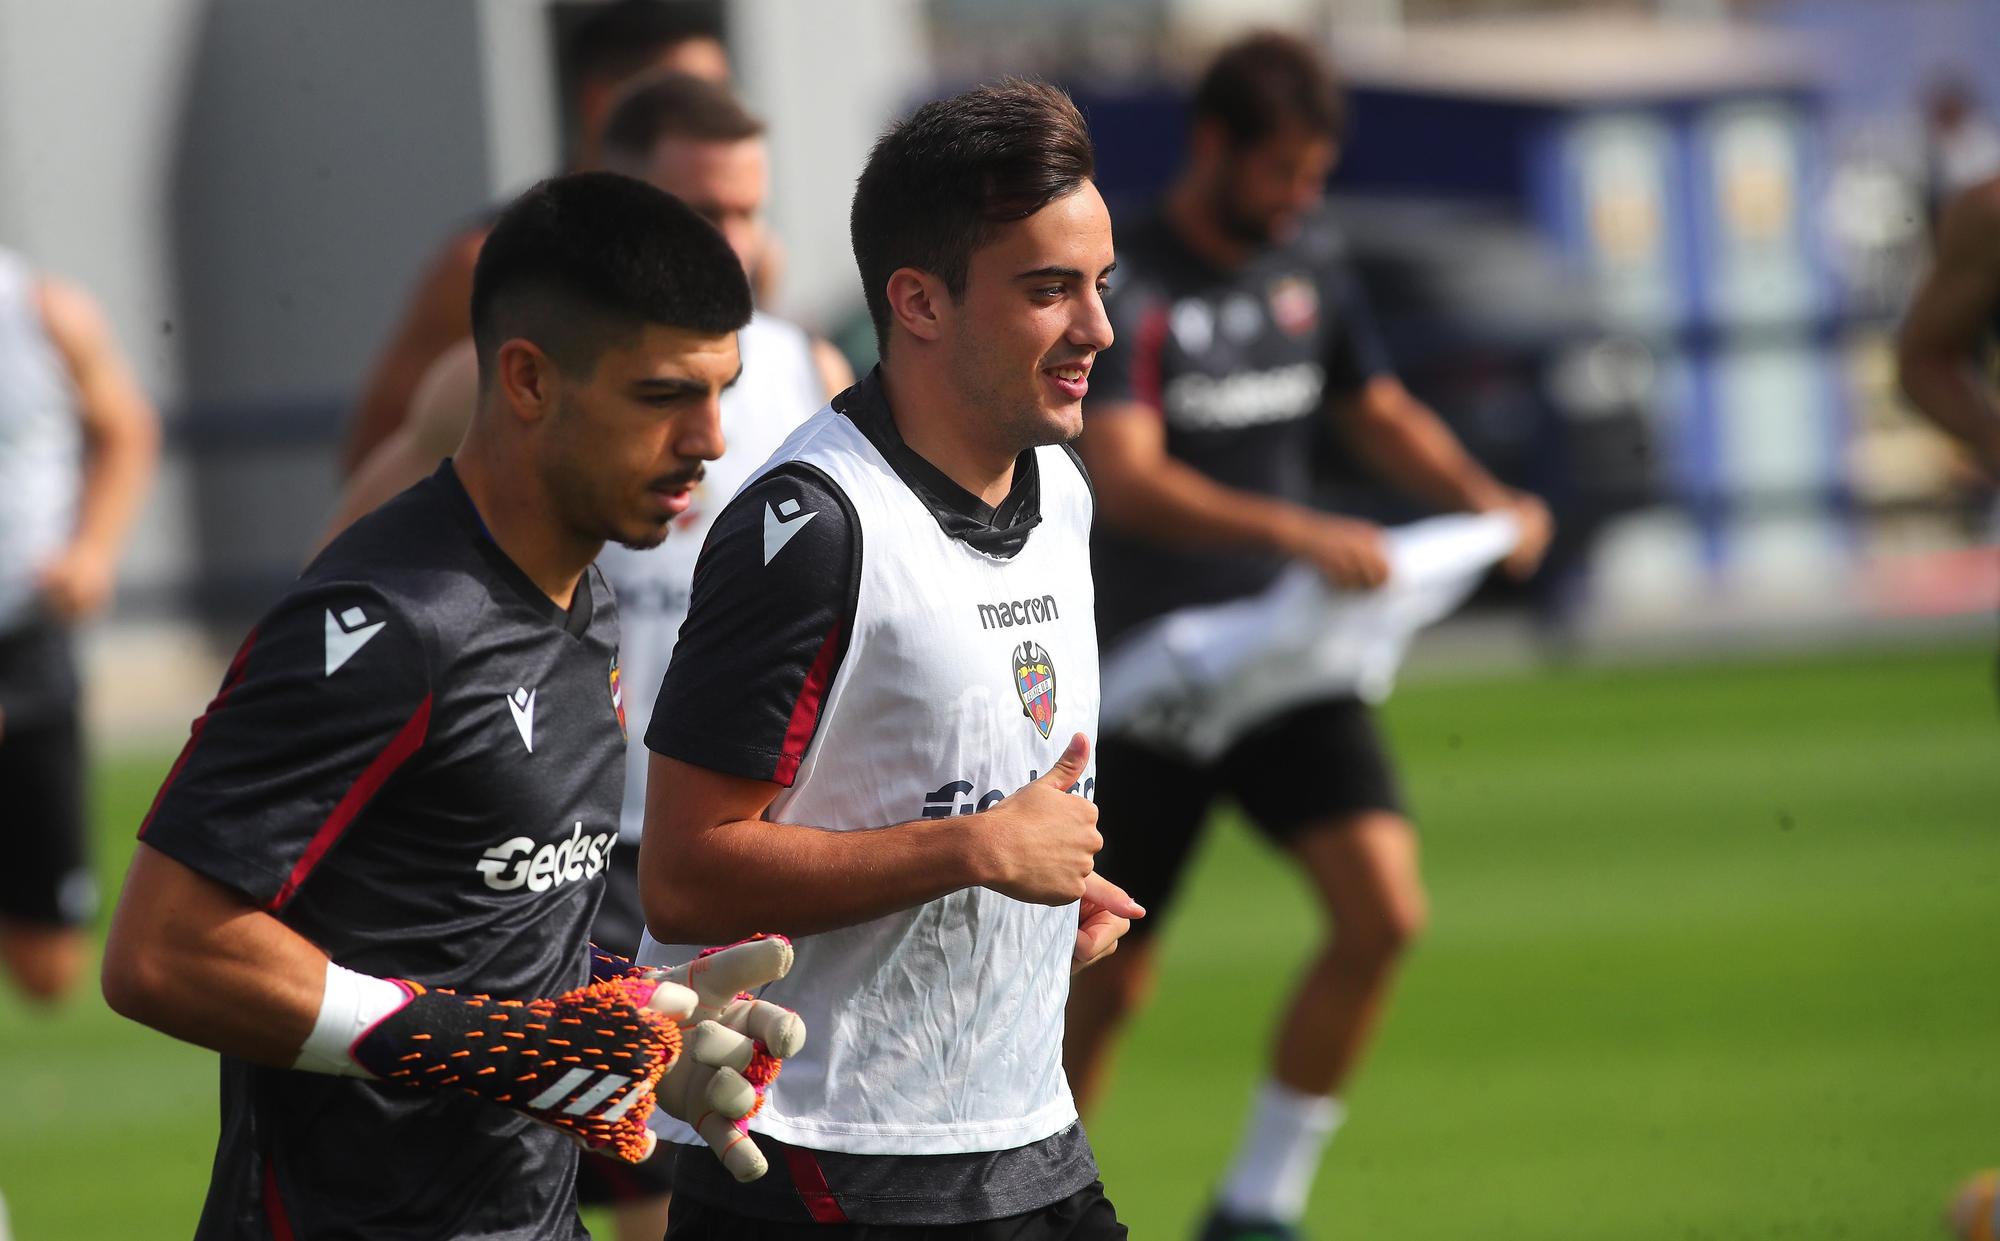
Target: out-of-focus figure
[1951,323]
[78,441]
[1240,331]
[607,50]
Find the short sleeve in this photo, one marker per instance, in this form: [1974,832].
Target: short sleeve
[1129,371]
[328,697]
[767,626]
[1355,353]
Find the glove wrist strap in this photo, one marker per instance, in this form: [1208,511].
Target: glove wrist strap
[351,1005]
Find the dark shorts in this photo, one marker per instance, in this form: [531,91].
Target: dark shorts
[605,1182]
[1311,767]
[1086,1215]
[47,880]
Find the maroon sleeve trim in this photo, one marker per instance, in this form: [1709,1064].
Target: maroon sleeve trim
[1147,382]
[405,743]
[805,711]
[275,1216]
[229,682]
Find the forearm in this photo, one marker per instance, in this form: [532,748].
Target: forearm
[1408,444]
[738,878]
[118,464]
[192,960]
[1170,501]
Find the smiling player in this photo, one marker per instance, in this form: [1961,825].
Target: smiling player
[880,705]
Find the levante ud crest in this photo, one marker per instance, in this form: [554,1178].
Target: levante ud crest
[1035,682]
[618,697]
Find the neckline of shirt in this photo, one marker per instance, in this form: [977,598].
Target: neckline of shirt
[1000,530]
[573,620]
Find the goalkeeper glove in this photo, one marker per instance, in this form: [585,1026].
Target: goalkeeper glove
[585,1062]
[738,1044]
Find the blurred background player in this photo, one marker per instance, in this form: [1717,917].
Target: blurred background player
[1239,331]
[413,769]
[692,138]
[1943,351]
[912,780]
[78,445]
[1944,359]
[618,42]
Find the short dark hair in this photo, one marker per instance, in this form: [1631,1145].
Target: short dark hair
[1267,82]
[675,105]
[937,184]
[617,39]
[583,261]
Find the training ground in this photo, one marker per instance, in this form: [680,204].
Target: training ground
[1715,953]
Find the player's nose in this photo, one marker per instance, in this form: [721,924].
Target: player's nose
[698,432]
[1091,328]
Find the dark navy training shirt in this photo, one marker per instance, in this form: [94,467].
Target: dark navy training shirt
[416,762]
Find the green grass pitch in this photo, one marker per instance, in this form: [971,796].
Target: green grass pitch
[1715,953]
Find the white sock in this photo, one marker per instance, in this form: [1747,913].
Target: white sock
[1279,1157]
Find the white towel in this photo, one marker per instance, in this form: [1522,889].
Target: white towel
[1195,680]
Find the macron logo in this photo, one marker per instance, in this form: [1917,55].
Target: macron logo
[522,703]
[780,524]
[346,634]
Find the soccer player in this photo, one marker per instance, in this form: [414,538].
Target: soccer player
[410,779]
[78,441]
[618,43]
[1953,317]
[882,698]
[1239,330]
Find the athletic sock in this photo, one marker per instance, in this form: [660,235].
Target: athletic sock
[1275,1165]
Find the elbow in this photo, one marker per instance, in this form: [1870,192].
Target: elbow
[674,909]
[681,917]
[133,978]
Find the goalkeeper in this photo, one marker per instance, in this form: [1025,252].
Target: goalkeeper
[368,880]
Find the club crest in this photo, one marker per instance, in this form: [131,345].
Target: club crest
[1295,305]
[618,697]
[1035,682]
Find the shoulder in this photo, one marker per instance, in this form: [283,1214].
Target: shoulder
[70,316]
[1075,461]
[444,402]
[797,508]
[413,560]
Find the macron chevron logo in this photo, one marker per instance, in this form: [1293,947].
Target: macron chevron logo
[780,524]
[346,634]
[522,703]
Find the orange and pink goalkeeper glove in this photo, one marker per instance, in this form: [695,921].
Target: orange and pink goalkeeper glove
[591,1061]
[739,1043]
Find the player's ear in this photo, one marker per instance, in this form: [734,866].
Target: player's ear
[918,300]
[527,379]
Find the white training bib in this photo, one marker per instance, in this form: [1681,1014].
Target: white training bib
[937,1030]
[41,444]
